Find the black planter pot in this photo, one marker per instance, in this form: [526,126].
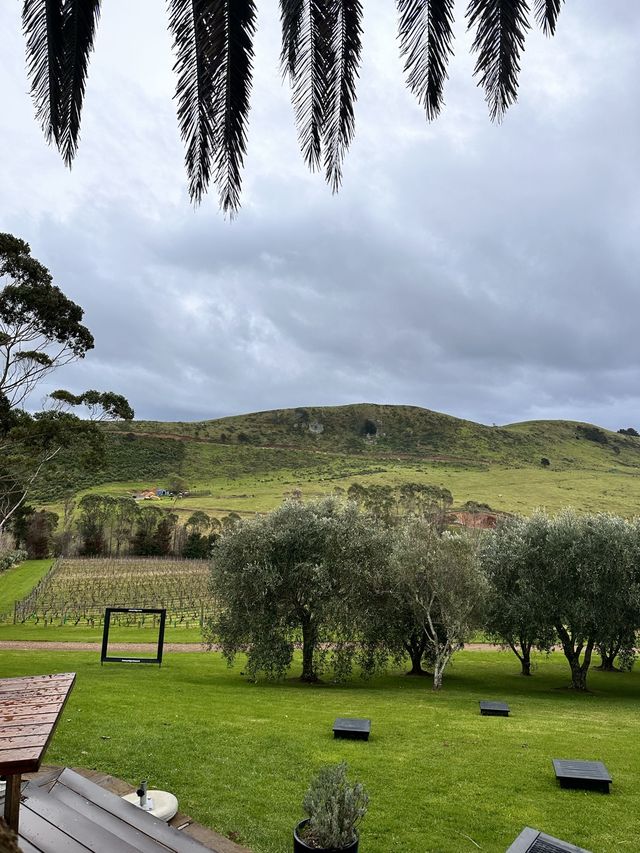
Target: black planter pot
[300,846]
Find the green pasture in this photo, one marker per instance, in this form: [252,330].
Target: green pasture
[19,580]
[506,489]
[251,462]
[441,778]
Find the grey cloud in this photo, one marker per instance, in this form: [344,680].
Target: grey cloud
[491,272]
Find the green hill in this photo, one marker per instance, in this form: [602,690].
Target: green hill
[249,462]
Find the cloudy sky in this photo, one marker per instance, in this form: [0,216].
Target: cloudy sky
[491,272]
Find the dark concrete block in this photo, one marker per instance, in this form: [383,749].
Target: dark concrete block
[493,709]
[591,775]
[352,727]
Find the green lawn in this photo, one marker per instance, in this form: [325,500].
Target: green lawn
[239,755]
[87,634]
[19,580]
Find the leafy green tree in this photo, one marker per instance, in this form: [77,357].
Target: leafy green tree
[39,534]
[94,515]
[144,542]
[198,522]
[284,578]
[513,614]
[321,49]
[440,577]
[40,328]
[40,331]
[582,571]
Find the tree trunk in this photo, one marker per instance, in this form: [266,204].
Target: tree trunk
[572,653]
[415,647]
[524,656]
[608,655]
[309,639]
[437,677]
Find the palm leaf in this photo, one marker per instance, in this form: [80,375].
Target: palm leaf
[79,26]
[309,72]
[426,37]
[232,64]
[291,13]
[345,31]
[213,41]
[546,13]
[499,41]
[42,22]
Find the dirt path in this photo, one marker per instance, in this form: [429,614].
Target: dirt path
[27,645]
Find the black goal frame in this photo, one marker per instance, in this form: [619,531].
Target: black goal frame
[106,657]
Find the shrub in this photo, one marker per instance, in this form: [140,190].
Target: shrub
[11,558]
[335,808]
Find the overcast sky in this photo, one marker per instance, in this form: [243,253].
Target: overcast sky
[490,272]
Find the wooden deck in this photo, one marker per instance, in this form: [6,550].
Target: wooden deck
[99,818]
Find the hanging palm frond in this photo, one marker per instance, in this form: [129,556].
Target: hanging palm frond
[232,64]
[547,12]
[426,40]
[190,24]
[80,18]
[311,57]
[345,31]
[291,13]
[42,23]
[499,41]
[213,40]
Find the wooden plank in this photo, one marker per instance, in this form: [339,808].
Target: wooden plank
[20,741]
[19,760]
[25,730]
[46,702]
[138,839]
[137,818]
[10,683]
[75,824]
[29,696]
[19,720]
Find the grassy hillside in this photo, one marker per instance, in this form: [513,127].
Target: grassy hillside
[250,462]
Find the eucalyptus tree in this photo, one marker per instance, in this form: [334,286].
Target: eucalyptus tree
[287,578]
[321,53]
[41,330]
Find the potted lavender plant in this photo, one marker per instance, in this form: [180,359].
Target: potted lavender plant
[334,808]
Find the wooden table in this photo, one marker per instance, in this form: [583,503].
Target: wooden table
[30,708]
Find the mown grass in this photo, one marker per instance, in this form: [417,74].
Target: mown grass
[29,631]
[19,580]
[440,777]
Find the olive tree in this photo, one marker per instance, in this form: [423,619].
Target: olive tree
[441,579]
[513,615]
[287,578]
[582,573]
